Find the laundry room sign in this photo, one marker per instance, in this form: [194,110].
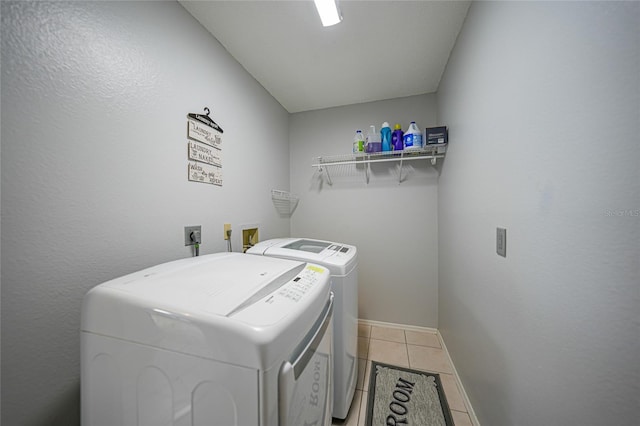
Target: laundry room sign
[205,154]
[204,148]
[200,172]
[202,133]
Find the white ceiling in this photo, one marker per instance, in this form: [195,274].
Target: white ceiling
[381,49]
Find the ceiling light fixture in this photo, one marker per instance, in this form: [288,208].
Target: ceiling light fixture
[328,11]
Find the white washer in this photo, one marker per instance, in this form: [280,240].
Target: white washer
[223,339]
[342,261]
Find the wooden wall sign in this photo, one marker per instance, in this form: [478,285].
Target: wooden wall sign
[204,149]
[205,173]
[205,154]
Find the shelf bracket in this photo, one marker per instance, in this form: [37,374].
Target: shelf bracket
[325,170]
[400,171]
[433,160]
[329,178]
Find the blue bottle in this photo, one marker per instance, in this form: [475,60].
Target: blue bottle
[397,141]
[385,136]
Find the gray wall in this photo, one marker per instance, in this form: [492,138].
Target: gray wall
[543,104]
[542,100]
[393,225]
[94,171]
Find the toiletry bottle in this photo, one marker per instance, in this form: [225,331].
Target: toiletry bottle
[397,143]
[413,137]
[358,142]
[373,141]
[385,136]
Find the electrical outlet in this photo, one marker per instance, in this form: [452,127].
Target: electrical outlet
[501,242]
[187,234]
[227,227]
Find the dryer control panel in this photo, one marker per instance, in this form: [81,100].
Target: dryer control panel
[298,287]
[310,283]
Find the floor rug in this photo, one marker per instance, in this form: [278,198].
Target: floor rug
[402,396]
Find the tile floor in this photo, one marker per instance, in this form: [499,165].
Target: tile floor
[415,349]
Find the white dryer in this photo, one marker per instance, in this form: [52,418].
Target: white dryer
[223,339]
[342,261]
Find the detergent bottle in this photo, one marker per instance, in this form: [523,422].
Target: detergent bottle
[413,137]
[358,142]
[397,143]
[373,141]
[385,136]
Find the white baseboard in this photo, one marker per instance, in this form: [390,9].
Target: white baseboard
[463,393]
[402,326]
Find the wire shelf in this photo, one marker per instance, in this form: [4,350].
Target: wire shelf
[284,202]
[429,152]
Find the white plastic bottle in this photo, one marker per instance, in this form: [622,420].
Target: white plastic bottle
[358,142]
[413,137]
[373,141]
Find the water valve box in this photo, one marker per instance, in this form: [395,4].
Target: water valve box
[436,135]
